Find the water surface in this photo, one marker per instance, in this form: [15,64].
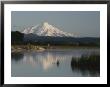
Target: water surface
[49,63]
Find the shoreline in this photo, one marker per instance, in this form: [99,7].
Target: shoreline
[40,48]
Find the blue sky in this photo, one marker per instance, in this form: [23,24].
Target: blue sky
[80,23]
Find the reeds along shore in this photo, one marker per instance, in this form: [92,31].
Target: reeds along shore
[87,62]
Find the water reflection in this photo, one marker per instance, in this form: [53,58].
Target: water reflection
[46,60]
[50,63]
[17,56]
[87,64]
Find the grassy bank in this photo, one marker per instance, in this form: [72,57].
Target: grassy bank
[31,47]
[21,48]
[51,46]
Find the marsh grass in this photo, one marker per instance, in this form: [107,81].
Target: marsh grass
[87,63]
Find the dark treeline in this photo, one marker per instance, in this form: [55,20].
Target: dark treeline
[17,37]
[20,38]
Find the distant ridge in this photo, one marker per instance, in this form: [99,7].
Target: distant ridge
[21,38]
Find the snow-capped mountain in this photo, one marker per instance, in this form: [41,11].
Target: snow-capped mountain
[46,29]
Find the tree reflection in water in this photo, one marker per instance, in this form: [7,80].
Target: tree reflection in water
[17,56]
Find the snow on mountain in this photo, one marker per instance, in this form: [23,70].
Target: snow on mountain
[46,29]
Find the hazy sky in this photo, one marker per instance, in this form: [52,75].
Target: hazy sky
[80,23]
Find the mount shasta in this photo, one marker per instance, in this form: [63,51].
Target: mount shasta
[46,29]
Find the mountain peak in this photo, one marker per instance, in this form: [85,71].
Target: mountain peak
[45,23]
[46,29]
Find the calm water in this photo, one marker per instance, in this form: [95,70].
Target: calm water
[54,63]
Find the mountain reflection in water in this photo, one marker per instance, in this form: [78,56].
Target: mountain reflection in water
[46,61]
[49,63]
